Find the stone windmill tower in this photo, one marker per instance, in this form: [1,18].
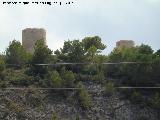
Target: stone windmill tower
[30,36]
[125,43]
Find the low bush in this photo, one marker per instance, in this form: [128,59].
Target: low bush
[54,116]
[34,98]
[3,84]
[68,78]
[54,79]
[99,77]
[143,117]
[136,97]
[109,89]
[84,97]
[155,101]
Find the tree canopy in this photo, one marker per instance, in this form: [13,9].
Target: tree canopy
[15,53]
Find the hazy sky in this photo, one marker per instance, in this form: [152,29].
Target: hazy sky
[112,20]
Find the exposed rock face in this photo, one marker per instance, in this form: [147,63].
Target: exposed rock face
[30,36]
[20,105]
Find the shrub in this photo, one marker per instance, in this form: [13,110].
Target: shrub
[2,64]
[14,106]
[17,77]
[155,102]
[136,97]
[82,77]
[98,77]
[77,117]
[3,84]
[69,78]
[55,79]
[54,116]
[109,89]
[34,98]
[84,96]
[142,117]
[20,79]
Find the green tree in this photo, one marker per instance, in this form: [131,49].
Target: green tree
[93,46]
[76,51]
[114,56]
[16,54]
[155,69]
[72,51]
[42,55]
[93,41]
[132,74]
[145,49]
[157,53]
[91,54]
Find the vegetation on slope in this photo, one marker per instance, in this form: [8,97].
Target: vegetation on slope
[19,68]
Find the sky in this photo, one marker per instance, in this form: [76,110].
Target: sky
[112,20]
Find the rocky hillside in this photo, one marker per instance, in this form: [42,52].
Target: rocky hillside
[31,104]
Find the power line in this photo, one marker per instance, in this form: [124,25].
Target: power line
[67,63]
[128,87]
[40,88]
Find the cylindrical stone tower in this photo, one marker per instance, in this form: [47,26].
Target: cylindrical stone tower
[30,36]
[125,43]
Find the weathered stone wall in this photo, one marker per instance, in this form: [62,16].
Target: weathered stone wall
[125,43]
[30,36]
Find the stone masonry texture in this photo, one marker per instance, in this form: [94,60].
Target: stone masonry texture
[125,43]
[30,36]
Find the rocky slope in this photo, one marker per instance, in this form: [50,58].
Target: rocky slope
[27,104]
